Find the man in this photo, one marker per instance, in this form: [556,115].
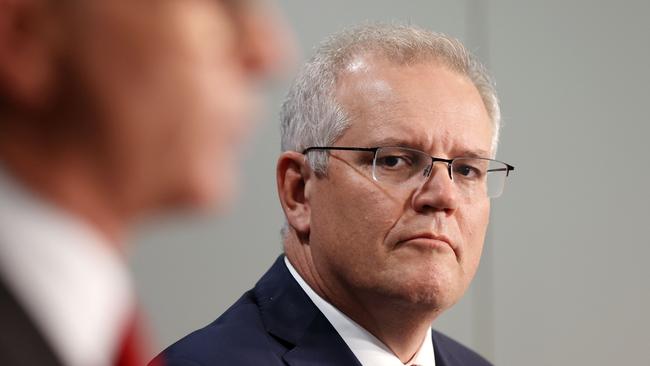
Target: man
[110,111]
[385,181]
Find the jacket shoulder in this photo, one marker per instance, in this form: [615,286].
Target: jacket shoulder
[455,353]
[238,337]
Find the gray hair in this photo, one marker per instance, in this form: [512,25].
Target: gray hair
[311,116]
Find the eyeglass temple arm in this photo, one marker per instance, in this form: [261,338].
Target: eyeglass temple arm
[373,149]
[507,169]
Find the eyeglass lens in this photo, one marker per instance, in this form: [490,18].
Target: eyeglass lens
[410,168]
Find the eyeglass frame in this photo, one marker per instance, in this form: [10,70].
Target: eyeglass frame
[434,159]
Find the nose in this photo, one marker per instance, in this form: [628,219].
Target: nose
[437,193]
[265,42]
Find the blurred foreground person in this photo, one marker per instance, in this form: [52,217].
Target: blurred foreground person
[389,135]
[111,111]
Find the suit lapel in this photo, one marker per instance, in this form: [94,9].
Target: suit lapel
[20,341]
[443,358]
[321,345]
[289,314]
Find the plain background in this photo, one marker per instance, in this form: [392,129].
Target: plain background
[564,279]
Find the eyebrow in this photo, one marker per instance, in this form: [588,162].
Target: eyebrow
[399,142]
[391,141]
[476,154]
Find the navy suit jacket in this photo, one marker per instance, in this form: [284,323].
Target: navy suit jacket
[276,323]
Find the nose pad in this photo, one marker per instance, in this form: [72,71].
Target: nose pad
[436,192]
[429,169]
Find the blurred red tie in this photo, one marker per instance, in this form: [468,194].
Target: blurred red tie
[135,345]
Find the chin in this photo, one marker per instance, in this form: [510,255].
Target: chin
[432,296]
[211,198]
[436,290]
[203,192]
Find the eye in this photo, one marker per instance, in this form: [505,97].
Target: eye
[467,170]
[464,170]
[393,161]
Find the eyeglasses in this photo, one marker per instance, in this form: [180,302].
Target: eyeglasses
[409,168]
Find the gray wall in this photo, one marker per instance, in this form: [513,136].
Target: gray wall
[571,280]
[563,280]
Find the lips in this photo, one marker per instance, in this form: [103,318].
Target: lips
[427,240]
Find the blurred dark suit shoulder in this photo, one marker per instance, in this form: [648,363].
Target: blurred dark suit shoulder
[276,323]
[20,341]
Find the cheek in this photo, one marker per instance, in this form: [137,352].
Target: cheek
[199,104]
[172,97]
[473,227]
[214,95]
[352,218]
[217,87]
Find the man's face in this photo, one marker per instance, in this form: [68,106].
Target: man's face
[383,241]
[172,85]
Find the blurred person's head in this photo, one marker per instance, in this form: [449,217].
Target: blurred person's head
[362,240]
[141,104]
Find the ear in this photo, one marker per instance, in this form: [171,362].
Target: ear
[293,174]
[29,43]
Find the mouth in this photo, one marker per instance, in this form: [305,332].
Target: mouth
[428,241]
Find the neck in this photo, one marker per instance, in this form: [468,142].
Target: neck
[400,325]
[68,180]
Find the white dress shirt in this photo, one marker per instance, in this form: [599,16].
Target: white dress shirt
[369,350]
[71,281]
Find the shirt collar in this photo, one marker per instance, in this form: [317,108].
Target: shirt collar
[71,281]
[369,350]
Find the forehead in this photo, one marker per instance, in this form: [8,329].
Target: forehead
[423,105]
